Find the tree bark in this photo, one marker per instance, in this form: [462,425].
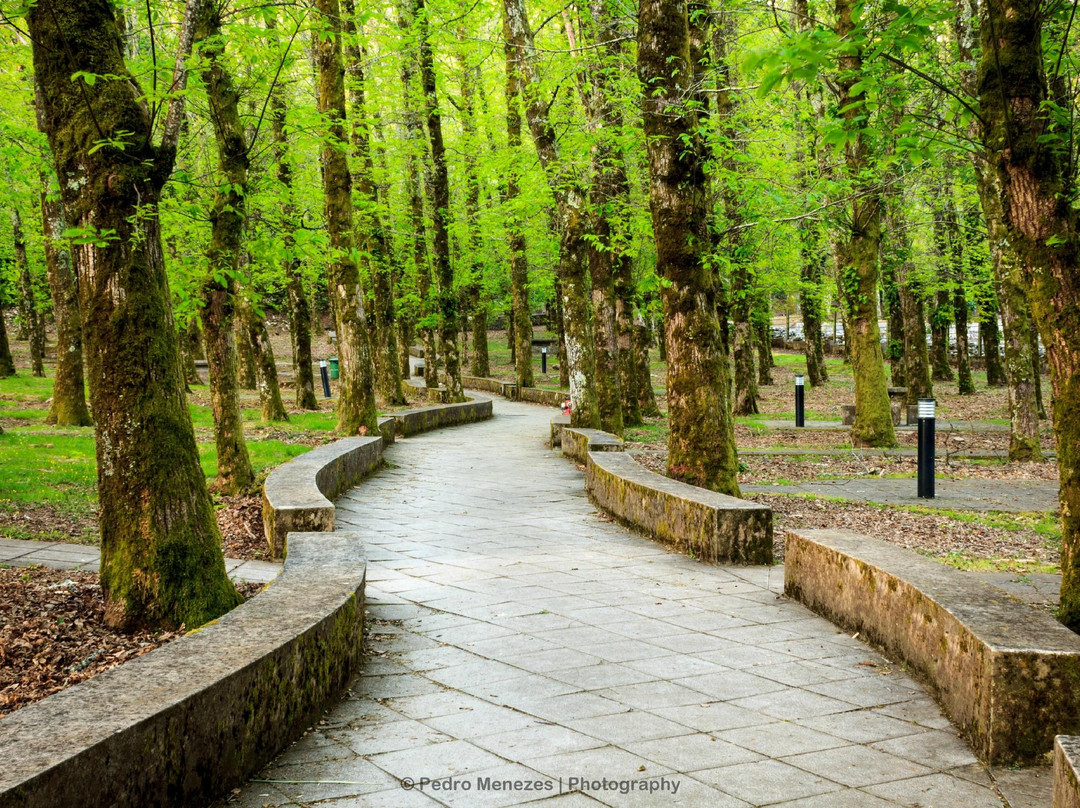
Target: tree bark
[235,473]
[763,337]
[608,195]
[356,387]
[437,187]
[68,406]
[701,448]
[573,225]
[7,363]
[643,368]
[1032,179]
[629,378]
[371,230]
[858,254]
[191,348]
[299,307]
[161,560]
[519,323]
[254,324]
[34,319]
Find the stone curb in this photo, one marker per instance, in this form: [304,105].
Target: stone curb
[198,716]
[692,520]
[412,422]
[1066,776]
[1007,675]
[529,395]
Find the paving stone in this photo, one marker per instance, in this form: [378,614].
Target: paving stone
[767,781]
[781,738]
[937,791]
[857,765]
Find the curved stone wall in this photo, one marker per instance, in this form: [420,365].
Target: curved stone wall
[198,716]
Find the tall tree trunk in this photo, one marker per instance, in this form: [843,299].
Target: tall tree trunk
[161,560]
[560,337]
[1005,262]
[191,348]
[1036,373]
[1033,182]
[414,135]
[990,336]
[629,378]
[356,388]
[438,193]
[904,296]
[245,355]
[701,448]
[858,253]
[35,320]
[955,272]
[235,473]
[610,189]
[7,363]
[519,323]
[573,225]
[69,395]
[371,230]
[643,367]
[299,308]
[265,366]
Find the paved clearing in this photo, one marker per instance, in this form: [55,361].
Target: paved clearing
[1014,496]
[518,636]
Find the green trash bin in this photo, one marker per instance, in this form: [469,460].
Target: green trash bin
[334,370]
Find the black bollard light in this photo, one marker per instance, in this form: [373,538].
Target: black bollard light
[543,359]
[325,378]
[800,413]
[926,448]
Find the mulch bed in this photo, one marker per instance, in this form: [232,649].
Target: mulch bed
[53,635]
[240,521]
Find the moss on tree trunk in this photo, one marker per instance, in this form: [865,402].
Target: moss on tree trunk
[1031,177]
[191,348]
[68,406]
[31,314]
[265,366]
[701,447]
[7,363]
[572,225]
[219,292]
[161,561]
[356,388]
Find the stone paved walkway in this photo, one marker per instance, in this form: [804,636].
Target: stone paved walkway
[1016,496]
[518,636]
[86,558]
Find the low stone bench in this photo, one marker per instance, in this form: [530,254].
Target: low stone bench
[847,414]
[1066,776]
[558,424]
[1007,675]
[576,443]
[198,716]
[298,495]
[496,386]
[693,520]
[412,422]
[536,395]
[440,394]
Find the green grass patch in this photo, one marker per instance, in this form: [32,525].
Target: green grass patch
[1019,566]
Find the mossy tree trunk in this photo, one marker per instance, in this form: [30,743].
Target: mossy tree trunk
[1031,177]
[701,449]
[438,194]
[608,193]
[519,321]
[299,308]
[953,242]
[858,253]
[1036,373]
[990,336]
[629,378]
[68,406]
[371,230]
[191,348]
[161,560]
[572,220]
[356,387]
[7,363]
[414,135]
[32,315]
[642,341]
[813,247]
[763,337]
[254,324]
[560,331]
[219,291]
[940,320]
